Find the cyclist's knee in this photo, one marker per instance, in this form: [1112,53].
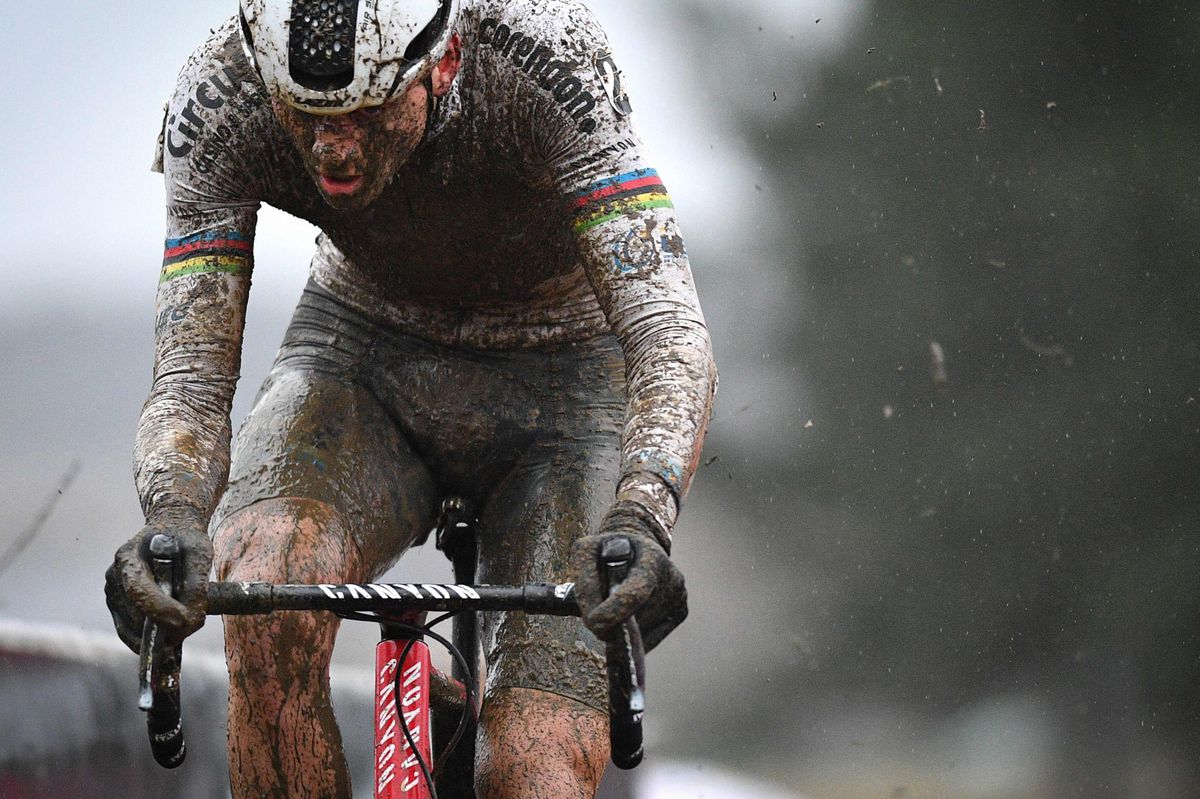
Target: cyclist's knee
[282,541]
[285,540]
[283,648]
[534,743]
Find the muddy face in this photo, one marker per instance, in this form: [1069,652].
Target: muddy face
[352,157]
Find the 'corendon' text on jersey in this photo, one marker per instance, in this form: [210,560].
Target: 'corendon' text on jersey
[537,60]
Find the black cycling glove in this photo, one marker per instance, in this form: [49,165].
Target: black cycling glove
[130,589]
[653,592]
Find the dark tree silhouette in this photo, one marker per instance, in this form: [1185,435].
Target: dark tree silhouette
[1015,186]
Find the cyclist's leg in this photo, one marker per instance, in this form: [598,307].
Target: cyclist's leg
[534,743]
[544,728]
[534,436]
[323,489]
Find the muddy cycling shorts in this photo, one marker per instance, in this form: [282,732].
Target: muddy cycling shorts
[382,425]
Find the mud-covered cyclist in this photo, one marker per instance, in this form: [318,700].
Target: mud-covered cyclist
[500,307]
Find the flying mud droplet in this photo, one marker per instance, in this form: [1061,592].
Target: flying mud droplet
[937,363]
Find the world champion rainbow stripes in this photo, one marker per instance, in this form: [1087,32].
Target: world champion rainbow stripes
[212,251]
[608,199]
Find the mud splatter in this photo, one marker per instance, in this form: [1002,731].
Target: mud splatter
[536,744]
[465,238]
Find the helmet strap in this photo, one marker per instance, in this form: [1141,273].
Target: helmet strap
[430,105]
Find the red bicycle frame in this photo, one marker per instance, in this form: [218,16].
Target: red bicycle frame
[402,669]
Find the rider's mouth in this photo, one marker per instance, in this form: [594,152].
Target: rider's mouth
[340,186]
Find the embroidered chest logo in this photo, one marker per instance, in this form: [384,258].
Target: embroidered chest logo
[613,82]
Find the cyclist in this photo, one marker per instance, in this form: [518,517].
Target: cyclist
[500,307]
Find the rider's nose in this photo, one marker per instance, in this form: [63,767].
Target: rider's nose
[335,141]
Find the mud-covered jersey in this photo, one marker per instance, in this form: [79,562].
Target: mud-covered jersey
[529,217]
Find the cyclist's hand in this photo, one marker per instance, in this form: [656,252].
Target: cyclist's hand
[130,589]
[653,592]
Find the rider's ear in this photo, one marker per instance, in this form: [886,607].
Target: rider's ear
[445,70]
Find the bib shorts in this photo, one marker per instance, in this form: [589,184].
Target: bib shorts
[381,425]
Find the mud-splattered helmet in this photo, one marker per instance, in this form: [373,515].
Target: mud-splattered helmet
[333,56]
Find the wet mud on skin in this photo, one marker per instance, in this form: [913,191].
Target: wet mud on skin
[327,487]
[381,425]
[533,744]
[372,142]
[283,738]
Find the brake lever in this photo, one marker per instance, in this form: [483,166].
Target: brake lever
[158,664]
[625,655]
[164,551]
[146,666]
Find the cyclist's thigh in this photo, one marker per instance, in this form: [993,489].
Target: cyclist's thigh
[558,493]
[317,435]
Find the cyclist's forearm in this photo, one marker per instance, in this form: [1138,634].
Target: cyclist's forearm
[640,270]
[181,454]
[672,378]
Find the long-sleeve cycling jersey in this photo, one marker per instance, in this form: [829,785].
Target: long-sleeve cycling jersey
[529,217]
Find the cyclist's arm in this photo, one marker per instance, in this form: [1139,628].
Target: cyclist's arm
[181,454]
[635,258]
[640,272]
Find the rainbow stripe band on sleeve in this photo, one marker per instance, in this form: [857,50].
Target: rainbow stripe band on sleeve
[213,251]
[607,199]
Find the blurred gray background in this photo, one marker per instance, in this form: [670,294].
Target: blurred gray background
[967,575]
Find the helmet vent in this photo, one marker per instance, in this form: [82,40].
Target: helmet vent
[321,43]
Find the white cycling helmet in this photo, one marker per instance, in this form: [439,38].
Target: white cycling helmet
[333,56]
